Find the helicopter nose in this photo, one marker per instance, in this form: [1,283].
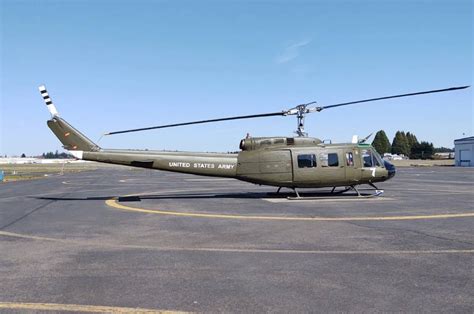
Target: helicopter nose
[390,168]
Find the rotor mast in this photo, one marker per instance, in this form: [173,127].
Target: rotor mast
[300,115]
[300,111]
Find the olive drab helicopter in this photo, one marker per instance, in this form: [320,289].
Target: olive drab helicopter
[290,162]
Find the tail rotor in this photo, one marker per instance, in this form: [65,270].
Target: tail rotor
[48,101]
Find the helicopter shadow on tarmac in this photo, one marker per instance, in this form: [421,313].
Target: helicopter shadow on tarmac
[310,195]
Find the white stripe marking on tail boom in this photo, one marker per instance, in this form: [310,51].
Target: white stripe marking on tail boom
[77,153]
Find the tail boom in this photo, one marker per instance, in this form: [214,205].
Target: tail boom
[79,145]
[205,164]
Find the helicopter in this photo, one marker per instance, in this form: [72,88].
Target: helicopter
[283,162]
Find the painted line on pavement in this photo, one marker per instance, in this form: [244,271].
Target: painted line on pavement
[77,308]
[113,203]
[237,250]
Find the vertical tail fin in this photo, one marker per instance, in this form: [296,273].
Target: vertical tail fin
[71,138]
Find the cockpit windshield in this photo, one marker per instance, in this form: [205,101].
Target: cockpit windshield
[370,158]
[378,159]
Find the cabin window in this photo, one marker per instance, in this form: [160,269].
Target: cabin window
[307,161]
[329,160]
[349,159]
[333,160]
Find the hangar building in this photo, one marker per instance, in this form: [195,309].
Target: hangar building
[464,152]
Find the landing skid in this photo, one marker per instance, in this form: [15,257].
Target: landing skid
[360,193]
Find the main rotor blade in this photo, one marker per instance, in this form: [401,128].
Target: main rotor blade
[394,96]
[292,111]
[281,113]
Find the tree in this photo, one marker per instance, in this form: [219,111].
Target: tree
[23,155]
[412,142]
[381,143]
[56,155]
[423,150]
[400,144]
[443,150]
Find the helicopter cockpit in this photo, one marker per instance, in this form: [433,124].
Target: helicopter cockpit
[372,159]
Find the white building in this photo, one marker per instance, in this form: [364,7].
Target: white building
[464,152]
[32,160]
[18,160]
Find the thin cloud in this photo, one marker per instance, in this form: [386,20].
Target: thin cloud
[291,52]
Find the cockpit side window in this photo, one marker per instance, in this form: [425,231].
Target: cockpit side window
[371,158]
[378,160]
[367,158]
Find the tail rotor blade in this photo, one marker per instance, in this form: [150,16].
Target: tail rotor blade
[47,100]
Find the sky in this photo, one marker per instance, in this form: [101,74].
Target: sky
[113,65]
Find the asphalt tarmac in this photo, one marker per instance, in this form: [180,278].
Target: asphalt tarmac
[116,239]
